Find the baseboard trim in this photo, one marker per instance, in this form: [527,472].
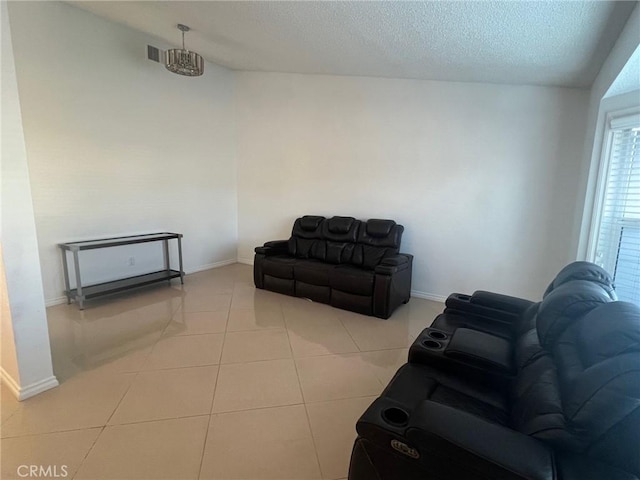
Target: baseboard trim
[209,266]
[428,296]
[22,393]
[245,260]
[55,301]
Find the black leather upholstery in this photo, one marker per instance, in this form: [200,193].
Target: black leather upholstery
[348,263]
[509,317]
[569,409]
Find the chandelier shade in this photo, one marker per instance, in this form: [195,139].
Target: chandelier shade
[183,61]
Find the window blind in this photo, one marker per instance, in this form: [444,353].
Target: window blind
[618,238]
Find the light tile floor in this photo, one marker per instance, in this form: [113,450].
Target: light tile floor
[211,380]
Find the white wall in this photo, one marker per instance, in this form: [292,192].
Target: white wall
[483,177]
[24,338]
[118,145]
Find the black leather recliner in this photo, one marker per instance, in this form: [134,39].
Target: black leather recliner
[506,316]
[347,263]
[568,410]
[473,351]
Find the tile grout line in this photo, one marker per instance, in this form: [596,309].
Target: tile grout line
[215,387]
[215,390]
[304,402]
[349,333]
[306,412]
[89,451]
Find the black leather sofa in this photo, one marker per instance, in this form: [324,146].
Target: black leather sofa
[350,264]
[560,401]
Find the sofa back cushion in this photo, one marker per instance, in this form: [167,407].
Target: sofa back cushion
[345,240]
[538,408]
[567,304]
[377,239]
[583,394]
[340,235]
[583,271]
[306,236]
[602,397]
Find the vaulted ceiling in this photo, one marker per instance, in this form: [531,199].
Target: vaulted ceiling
[523,42]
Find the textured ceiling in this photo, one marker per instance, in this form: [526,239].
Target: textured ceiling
[542,43]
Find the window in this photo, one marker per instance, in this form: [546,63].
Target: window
[617,237]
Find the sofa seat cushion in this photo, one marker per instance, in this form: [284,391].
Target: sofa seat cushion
[352,280]
[312,272]
[279,266]
[415,383]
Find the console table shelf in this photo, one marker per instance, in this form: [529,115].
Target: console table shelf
[86,292]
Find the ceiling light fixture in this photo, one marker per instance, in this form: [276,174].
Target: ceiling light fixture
[182,61]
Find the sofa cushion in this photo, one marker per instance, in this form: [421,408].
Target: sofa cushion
[414,383]
[342,229]
[339,252]
[583,271]
[279,266]
[312,272]
[381,233]
[305,241]
[377,239]
[340,235]
[347,278]
[564,305]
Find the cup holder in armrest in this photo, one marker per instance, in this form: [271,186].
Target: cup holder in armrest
[395,416]
[432,344]
[437,335]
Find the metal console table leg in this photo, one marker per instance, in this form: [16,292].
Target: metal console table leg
[65,268]
[180,259]
[76,264]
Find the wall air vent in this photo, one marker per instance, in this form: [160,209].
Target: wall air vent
[153,53]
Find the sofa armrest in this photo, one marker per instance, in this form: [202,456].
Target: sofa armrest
[494,306]
[478,348]
[274,247]
[498,301]
[460,437]
[393,264]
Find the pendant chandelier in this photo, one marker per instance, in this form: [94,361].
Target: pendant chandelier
[183,61]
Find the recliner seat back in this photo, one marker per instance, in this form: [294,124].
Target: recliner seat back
[306,235]
[576,271]
[545,321]
[537,407]
[377,239]
[340,235]
[345,240]
[583,393]
[583,271]
[599,371]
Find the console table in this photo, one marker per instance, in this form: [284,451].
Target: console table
[86,292]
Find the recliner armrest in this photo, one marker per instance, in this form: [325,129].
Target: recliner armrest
[498,301]
[490,305]
[396,263]
[477,445]
[275,247]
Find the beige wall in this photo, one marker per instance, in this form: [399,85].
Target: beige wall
[482,176]
[118,145]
